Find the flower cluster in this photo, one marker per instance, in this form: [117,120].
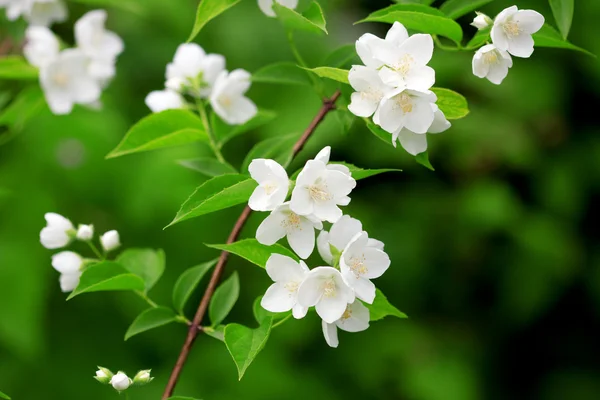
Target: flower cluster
[266,6]
[204,77]
[393,86]
[59,233]
[36,12]
[511,35]
[75,75]
[351,259]
[120,381]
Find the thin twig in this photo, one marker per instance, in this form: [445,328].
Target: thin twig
[328,105]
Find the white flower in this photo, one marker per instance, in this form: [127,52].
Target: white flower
[36,12]
[370,89]
[193,71]
[101,46]
[340,234]
[405,66]
[415,143]
[58,231]
[324,156]
[324,288]
[513,28]
[282,295]
[355,319]
[492,63]
[160,100]
[481,21]
[69,265]
[359,263]
[367,43]
[267,5]
[408,109]
[120,381]
[110,240]
[299,229]
[319,190]
[66,82]
[273,184]
[85,232]
[228,100]
[41,46]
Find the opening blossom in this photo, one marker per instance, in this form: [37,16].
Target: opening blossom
[492,63]
[282,295]
[167,99]
[227,98]
[193,71]
[481,21]
[36,12]
[513,28]
[69,265]
[273,184]
[266,6]
[325,289]
[355,319]
[110,240]
[59,231]
[85,232]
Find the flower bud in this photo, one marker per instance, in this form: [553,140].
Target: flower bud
[57,233]
[142,377]
[103,375]
[110,240]
[120,381]
[85,232]
[481,21]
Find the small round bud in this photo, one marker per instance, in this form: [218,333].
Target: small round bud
[110,240]
[85,232]
[103,375]
[120,381]
[481,21]
[142,377]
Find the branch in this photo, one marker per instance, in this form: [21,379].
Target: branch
[194,329]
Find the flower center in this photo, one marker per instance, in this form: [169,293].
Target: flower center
[61,79]
[490,57]
[226,101]
[329,288]
[347,314]
[291,287]
[372,94]
[318,192]
[404,101]
[511,28]
[403,67]
[292,222]
[358,266]
[270,187]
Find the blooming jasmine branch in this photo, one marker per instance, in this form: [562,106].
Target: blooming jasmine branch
[328,105]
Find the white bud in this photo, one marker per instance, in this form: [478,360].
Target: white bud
[142,377]
[57,233]
[103,375]
[85,232]
[120,381]
[110,240]
[481,21]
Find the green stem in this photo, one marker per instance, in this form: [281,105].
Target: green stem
[316,83]
[281,322]
[442,46]
[147,299]
[96,251]
[183,320]
[211,136]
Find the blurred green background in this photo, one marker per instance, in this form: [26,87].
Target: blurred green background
[495,256]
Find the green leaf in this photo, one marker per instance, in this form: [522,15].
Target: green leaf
[359,173]
[253,251]
[24,106]
[4,396]
[164,129]
[336,74]
[426,2]
[312,20]
[224,299]
[107,276]
[261,315]
[453,105]
[17,68]
[457,8]
[148,264]
[563,15]
[420,18]
[244,343]
[263,117]
[207,10]
[382,308]
[480,38]
[187,282]
[344,119]
[216,194]
[549,37]
[150,319]
[207,166]
[379,132]
[283,73]
[128,5]
[278,148]
[217,332]
[423,159]
[182,398]
[343,57]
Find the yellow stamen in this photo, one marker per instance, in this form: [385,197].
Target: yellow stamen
[511,28]
[490,57]
[319,193]
[347,314]
[358,266]
[404,101]
[292,222]
[329,288]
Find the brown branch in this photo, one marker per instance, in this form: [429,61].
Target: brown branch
[194,329]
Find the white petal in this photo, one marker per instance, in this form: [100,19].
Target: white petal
[68,282]
[362,106]
[397,34]
[58,221]
[497,73]
[390,118]
[324,155]
[364,288]
[67,262]
[376,244]
[343,231]
[299,311]
[301,202]
[52,238]
[440,123]
[420,118]
[529,21]
[504,14]
[323,246]
[310,291]
[284,269]
[302,240]
[499,37]
[377,262]
[259,200]
[420,47]
[480,68]
[330,334]
[330,309]
[271,230]
[327,211]
[413,143]
[277,299]
[160,100]
[364,49]
[358,320]
[521,45]
[420,78]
